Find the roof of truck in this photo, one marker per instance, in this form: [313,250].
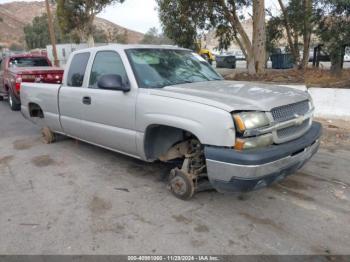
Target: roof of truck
[127,46]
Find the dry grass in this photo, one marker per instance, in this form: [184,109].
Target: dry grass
[309,77]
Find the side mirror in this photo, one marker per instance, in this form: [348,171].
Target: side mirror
[112,82]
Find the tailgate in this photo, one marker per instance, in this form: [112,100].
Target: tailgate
[43,75]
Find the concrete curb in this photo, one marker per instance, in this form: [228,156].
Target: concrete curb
[329,102]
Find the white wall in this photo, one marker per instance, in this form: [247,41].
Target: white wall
[331,102]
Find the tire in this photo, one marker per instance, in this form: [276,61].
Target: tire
[181,184]
[1,98]
[48,137]
[13,102]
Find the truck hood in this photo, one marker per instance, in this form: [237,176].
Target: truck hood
[234,95]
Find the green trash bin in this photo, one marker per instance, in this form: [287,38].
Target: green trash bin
[282,61]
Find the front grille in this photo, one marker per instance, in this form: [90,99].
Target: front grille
[287,112]
[292,130]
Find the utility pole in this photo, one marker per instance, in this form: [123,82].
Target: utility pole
[52,34]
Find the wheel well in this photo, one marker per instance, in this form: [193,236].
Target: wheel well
[160,138]
[35,110]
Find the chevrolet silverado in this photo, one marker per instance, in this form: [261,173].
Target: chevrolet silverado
[168,104]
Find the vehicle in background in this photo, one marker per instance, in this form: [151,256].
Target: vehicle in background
[167,103]
[225,61]
[205,53]
[16,69]
[323,57]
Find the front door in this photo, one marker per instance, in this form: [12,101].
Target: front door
[109,118]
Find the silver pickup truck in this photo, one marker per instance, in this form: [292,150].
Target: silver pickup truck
[167,103]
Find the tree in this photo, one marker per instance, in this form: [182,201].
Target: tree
[296,21]
[153,37]
[79,15]
[16,47]
[36,34]
[334,29]
[184,20]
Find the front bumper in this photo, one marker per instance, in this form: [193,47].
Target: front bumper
[239,171]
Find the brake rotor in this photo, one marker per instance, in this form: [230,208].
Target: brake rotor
[181,184]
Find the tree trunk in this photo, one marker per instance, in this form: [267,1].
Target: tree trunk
[293,47]
[52,34]
[90,40]
[232,17]
[259,36]
[307,32]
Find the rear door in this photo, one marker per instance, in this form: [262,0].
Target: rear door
[109,118]
[71,104]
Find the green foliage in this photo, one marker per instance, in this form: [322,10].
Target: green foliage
[334,28]
[37,36]
[274,33]
[78,15]
[153,37]
[16,47]
[276,25]
[185,21]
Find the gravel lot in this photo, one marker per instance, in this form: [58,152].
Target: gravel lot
[74,198]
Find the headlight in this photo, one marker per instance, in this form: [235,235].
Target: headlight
[250,120]
[254,142]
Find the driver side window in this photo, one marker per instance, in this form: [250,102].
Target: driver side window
[107,63]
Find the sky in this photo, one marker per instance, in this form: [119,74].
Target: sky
[138,15]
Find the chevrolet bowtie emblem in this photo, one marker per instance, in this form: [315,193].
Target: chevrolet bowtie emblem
[299,119]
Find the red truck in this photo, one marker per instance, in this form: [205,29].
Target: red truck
[17,69]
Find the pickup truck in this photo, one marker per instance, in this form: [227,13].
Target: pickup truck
[162,103]
[16,69]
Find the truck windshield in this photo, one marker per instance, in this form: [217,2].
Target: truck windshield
[156,68]
[28,62]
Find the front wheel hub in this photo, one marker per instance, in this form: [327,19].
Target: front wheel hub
[181,184]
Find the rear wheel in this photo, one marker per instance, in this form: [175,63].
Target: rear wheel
[14,104]
[48,137]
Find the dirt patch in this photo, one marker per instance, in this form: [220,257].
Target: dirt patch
[310,77]
[201,229]
[43,161]
[281,189]
[23,144]
[99,206]
[6,159]
[335,136]
[182,219]
[295,184]
[262,221]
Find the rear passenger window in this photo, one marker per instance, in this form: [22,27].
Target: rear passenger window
[77,69]
[107,63]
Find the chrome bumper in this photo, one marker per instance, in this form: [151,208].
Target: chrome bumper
[244,171]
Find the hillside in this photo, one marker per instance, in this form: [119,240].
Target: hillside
[16,15]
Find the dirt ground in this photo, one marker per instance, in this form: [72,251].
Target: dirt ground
[309,77]
[73,198]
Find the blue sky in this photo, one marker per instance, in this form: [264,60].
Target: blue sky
[138,15]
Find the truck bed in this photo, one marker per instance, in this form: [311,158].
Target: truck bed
[45,95]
